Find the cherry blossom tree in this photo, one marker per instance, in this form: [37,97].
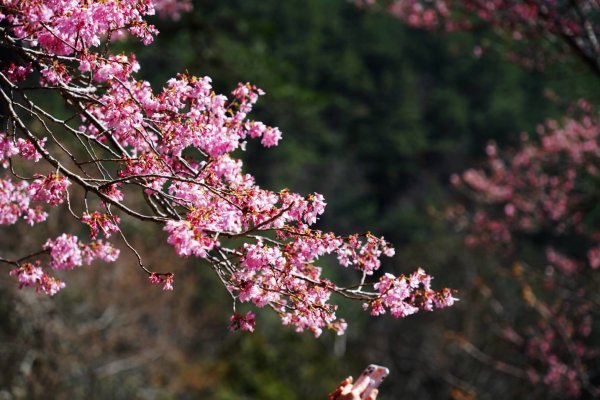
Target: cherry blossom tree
[535,207]
[120,151]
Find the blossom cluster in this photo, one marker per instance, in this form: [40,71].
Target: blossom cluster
[66,252]
[404,295]
[15,203]
[33,275]
[98,222]
[64,27]
[51,189]
[165,279]
[242,322]
[9,147]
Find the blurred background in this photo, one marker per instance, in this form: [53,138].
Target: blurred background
[376,116]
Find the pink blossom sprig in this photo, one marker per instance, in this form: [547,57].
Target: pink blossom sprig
[67,252]
[405,295]
[32,275]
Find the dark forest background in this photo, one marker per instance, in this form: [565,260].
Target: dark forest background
[376,116]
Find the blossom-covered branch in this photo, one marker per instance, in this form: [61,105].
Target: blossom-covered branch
[122,150]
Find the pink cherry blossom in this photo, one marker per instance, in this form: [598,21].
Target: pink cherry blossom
[51,189]
[65,252]
[50,285]
[28,274]
[245,322]
[101,223]
[33,275]
[15,203]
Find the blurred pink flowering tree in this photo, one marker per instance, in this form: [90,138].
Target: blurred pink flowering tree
[124,151]
[537,31]
[542,195]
